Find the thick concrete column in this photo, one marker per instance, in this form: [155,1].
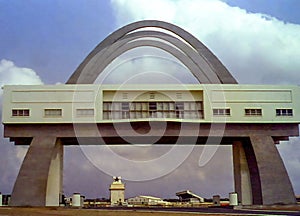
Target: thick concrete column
[274,181]
[42,162]
[242,181]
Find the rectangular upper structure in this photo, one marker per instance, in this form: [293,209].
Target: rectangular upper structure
[207,103]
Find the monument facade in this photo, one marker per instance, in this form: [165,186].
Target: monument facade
[251,118]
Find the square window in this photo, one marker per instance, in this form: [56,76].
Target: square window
[26,112]
[152,106]
[14,112]
[179,106]
[125,106]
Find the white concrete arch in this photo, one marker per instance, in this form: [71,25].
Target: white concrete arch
[104,57]
[216,66]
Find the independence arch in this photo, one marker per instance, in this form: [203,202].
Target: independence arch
[259,173]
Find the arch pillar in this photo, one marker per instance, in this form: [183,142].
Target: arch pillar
[39,182]
[260,176]
[242,180]
[275,184]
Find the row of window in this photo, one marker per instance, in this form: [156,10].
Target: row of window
[182,110]
[165,109]
[152,114]
[53,112]
[252,112]
[145,106]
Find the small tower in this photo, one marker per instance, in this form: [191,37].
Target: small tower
[117,189]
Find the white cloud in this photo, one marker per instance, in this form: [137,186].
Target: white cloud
[256,48]
[10,74]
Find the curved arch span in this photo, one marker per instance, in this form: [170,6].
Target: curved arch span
[216,66]
[185,54]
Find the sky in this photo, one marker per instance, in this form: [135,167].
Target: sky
[43,42]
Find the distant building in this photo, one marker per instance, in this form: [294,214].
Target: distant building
[189,196]
[117,191]
[69,201]
[5,199]
[146,200]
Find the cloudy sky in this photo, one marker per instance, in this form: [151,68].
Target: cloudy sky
[43,42]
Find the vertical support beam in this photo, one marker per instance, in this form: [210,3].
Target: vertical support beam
[275,183]
[254,172]
[242,181]
[55,176]
[31,185]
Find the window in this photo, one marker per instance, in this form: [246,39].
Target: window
[125,110]
[152,105]
[20,112]
[125,115]
[253,112]
[107,106]
[53,112]
[179,110]
[179,106]
[125,106]
[221,112]
[152,109]
[84,112]
[284,112]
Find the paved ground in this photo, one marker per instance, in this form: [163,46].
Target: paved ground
[7,211]
[143,211]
